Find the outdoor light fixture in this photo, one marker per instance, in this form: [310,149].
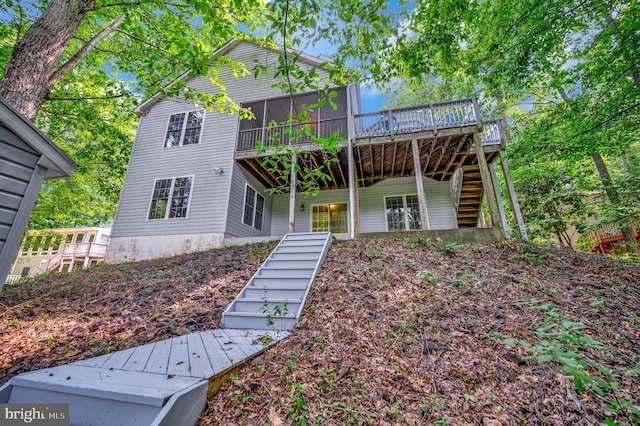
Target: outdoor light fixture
[218,170]
[302,207]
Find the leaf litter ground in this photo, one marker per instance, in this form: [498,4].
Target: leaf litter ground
[395,331]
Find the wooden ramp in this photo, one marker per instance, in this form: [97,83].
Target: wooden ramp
[162,383]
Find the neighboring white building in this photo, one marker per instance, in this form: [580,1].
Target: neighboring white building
[195,177]
[61,249]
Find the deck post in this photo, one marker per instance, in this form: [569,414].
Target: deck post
[486,179]
[422,200]
[353,203]
[353,181]
[292,194]
[496,190]
[515,206]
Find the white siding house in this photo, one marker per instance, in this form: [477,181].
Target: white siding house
[196,179]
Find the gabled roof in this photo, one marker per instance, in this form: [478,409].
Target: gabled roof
[55,160]
[311,60]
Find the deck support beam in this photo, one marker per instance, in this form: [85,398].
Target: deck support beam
[353,206]
[496,190]
[292,194]
[422,200]
[486,179]
[515,206]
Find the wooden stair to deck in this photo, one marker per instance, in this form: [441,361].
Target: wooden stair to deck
[470,197]
[274,297]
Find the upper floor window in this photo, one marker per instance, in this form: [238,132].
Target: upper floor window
[184,128]
[170,198]
[253,208]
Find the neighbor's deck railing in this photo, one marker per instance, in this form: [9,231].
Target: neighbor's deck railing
[443,115]
[74,251]
[84,249]
[612,232]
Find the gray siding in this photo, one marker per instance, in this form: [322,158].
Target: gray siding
[372,205]
[235,226]
[280,223]
[209,205]
[17,162]
[442,214]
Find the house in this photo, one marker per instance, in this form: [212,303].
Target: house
[196,179]
[61,249]
[27,157]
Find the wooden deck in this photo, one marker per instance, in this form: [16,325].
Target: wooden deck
[382,146]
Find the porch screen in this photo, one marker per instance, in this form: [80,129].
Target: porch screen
[403,213]
[329,218]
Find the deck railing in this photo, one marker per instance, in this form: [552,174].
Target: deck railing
[492,133]
[443,115]
[85,249]
[13,279]
[73,251]
[290,134]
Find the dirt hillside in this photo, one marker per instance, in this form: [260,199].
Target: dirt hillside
[395,331]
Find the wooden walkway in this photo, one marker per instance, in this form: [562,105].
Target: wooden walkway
[200,355]
[164,383]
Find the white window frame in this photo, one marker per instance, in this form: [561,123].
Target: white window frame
[254,208]
[404,212]
[328,204]
[184,128]
[168,208]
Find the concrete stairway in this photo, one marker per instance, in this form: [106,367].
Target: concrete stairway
[274,297]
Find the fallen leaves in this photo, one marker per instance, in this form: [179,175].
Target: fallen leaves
[389,335]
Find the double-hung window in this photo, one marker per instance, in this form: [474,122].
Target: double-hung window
[184,128]
[170,198]
[403,213]
[253,208]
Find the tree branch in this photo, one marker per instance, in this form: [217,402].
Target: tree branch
[142,41]
[80,54]
[137,3]
[98,49]
[539,30]
[86,98]
[602,123]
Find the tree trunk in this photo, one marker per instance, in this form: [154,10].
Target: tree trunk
[25,83]
[614,197]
